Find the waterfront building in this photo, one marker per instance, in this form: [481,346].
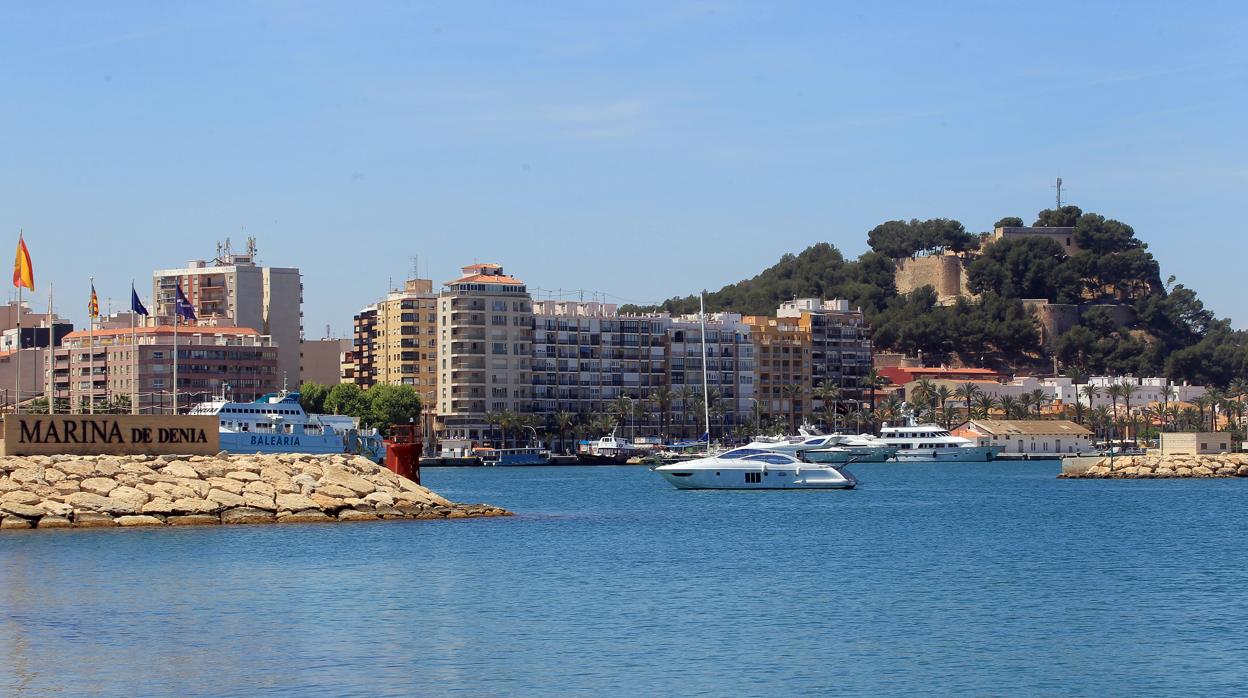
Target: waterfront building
[782,356]
[211,360]
[900,375]
[586,356]
[404,348]
[1028,436]
[357,365]
[1148,390]
[840,343]
[232,290]
[485,350]
[320,360]
[729,371]
[34,365]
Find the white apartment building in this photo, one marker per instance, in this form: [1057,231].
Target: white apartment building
[1147,390]
[231,290]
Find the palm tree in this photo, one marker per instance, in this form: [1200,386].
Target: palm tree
[622,409]
[602,423]
[1113,392]
[948,413]
[492,419]
[967,392]
[794,393]
[923,394]
[1039,399]
[1128,389]
[1201,403]
[563,422]
[873,381]
[984,405]
[1239,389]
[507,420]
[1167,396]
[829,396]
[685,394]
[1091,392]
[662,398]
[1009,405]
[943,394]
[1100,417]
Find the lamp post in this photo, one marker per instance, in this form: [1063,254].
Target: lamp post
[535,439]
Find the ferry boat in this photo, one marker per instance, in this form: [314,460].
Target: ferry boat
[277,423]
[933,443]
[514,456]
[749,468]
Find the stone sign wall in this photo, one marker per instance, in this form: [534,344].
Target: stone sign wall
[113,434]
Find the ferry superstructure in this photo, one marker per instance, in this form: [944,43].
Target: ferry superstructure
[277,423]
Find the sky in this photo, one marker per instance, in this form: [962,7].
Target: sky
[633,150]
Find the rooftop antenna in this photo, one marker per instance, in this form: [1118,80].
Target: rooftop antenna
[1058,187]
[415,266]
[327,335]
[251,245]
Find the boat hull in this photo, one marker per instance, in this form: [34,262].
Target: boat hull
[969,454]
[595,459]
[507,460]
[812,478]
[250,442]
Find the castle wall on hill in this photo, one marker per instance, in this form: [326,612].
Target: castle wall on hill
[946,273]
[1057,318]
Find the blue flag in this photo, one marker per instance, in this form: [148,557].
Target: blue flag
[136,305]
[183,307]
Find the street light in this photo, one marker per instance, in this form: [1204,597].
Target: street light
[535,440]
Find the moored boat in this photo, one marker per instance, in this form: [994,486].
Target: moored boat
[277,423]
[749,468]
[933,443]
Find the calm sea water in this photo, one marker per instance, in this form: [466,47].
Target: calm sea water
[984,579]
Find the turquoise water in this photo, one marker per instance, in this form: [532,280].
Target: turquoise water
[987,579]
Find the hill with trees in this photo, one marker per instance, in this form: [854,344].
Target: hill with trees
[1172,333]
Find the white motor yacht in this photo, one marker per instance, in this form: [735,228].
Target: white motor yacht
[865,448]
[608,450]
[817,448]
[750,468]
[933,443]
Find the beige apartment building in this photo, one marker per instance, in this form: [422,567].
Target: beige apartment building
[782,349]
[232,290]
[404,338]
[320,360]
[484,348]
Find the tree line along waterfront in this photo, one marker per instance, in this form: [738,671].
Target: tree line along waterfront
[1126,417]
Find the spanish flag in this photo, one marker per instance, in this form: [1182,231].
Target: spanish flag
[23,271]
[93,306]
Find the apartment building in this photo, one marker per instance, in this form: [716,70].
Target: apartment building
[357,365]
[405,345]
[730,371]
[320,360]
[782,354]
[586,356]
[232,290]
[211,360]
[484,348]
[840,343]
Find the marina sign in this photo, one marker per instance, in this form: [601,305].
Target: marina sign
[116,435]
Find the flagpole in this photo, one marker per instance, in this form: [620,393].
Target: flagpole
[134,353]
[17,389]
[91,355]
[51,355]
[175,355]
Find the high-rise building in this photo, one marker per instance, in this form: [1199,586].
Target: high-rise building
[320,360]
[729,372]
[211,360]
[840,343]
[357,364]
[405,339]
[782,353]
[485,350]
[233,290]
[587,355]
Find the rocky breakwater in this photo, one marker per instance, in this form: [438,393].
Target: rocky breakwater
[1155,467]
[99,491]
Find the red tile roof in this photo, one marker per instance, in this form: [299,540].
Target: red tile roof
[164,329]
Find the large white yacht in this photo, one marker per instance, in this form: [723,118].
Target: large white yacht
[933,443]
[277,423]
[828,448]
[749,468]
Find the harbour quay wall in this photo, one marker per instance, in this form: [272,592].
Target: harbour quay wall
[1156,467]
[93,491]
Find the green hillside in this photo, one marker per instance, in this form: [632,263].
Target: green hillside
[1172,334]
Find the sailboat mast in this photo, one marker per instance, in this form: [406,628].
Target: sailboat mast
[706,388]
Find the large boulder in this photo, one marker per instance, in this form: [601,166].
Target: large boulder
[334,475]
[180,469]
[139,520]
[294,502]
[246,515]
[87,501]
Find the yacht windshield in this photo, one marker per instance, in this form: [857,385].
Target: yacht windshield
[773,458]
[741,453]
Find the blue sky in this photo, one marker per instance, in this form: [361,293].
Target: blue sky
[638,149]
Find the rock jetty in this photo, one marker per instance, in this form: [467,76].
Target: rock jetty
[1175,466]
[99,491]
